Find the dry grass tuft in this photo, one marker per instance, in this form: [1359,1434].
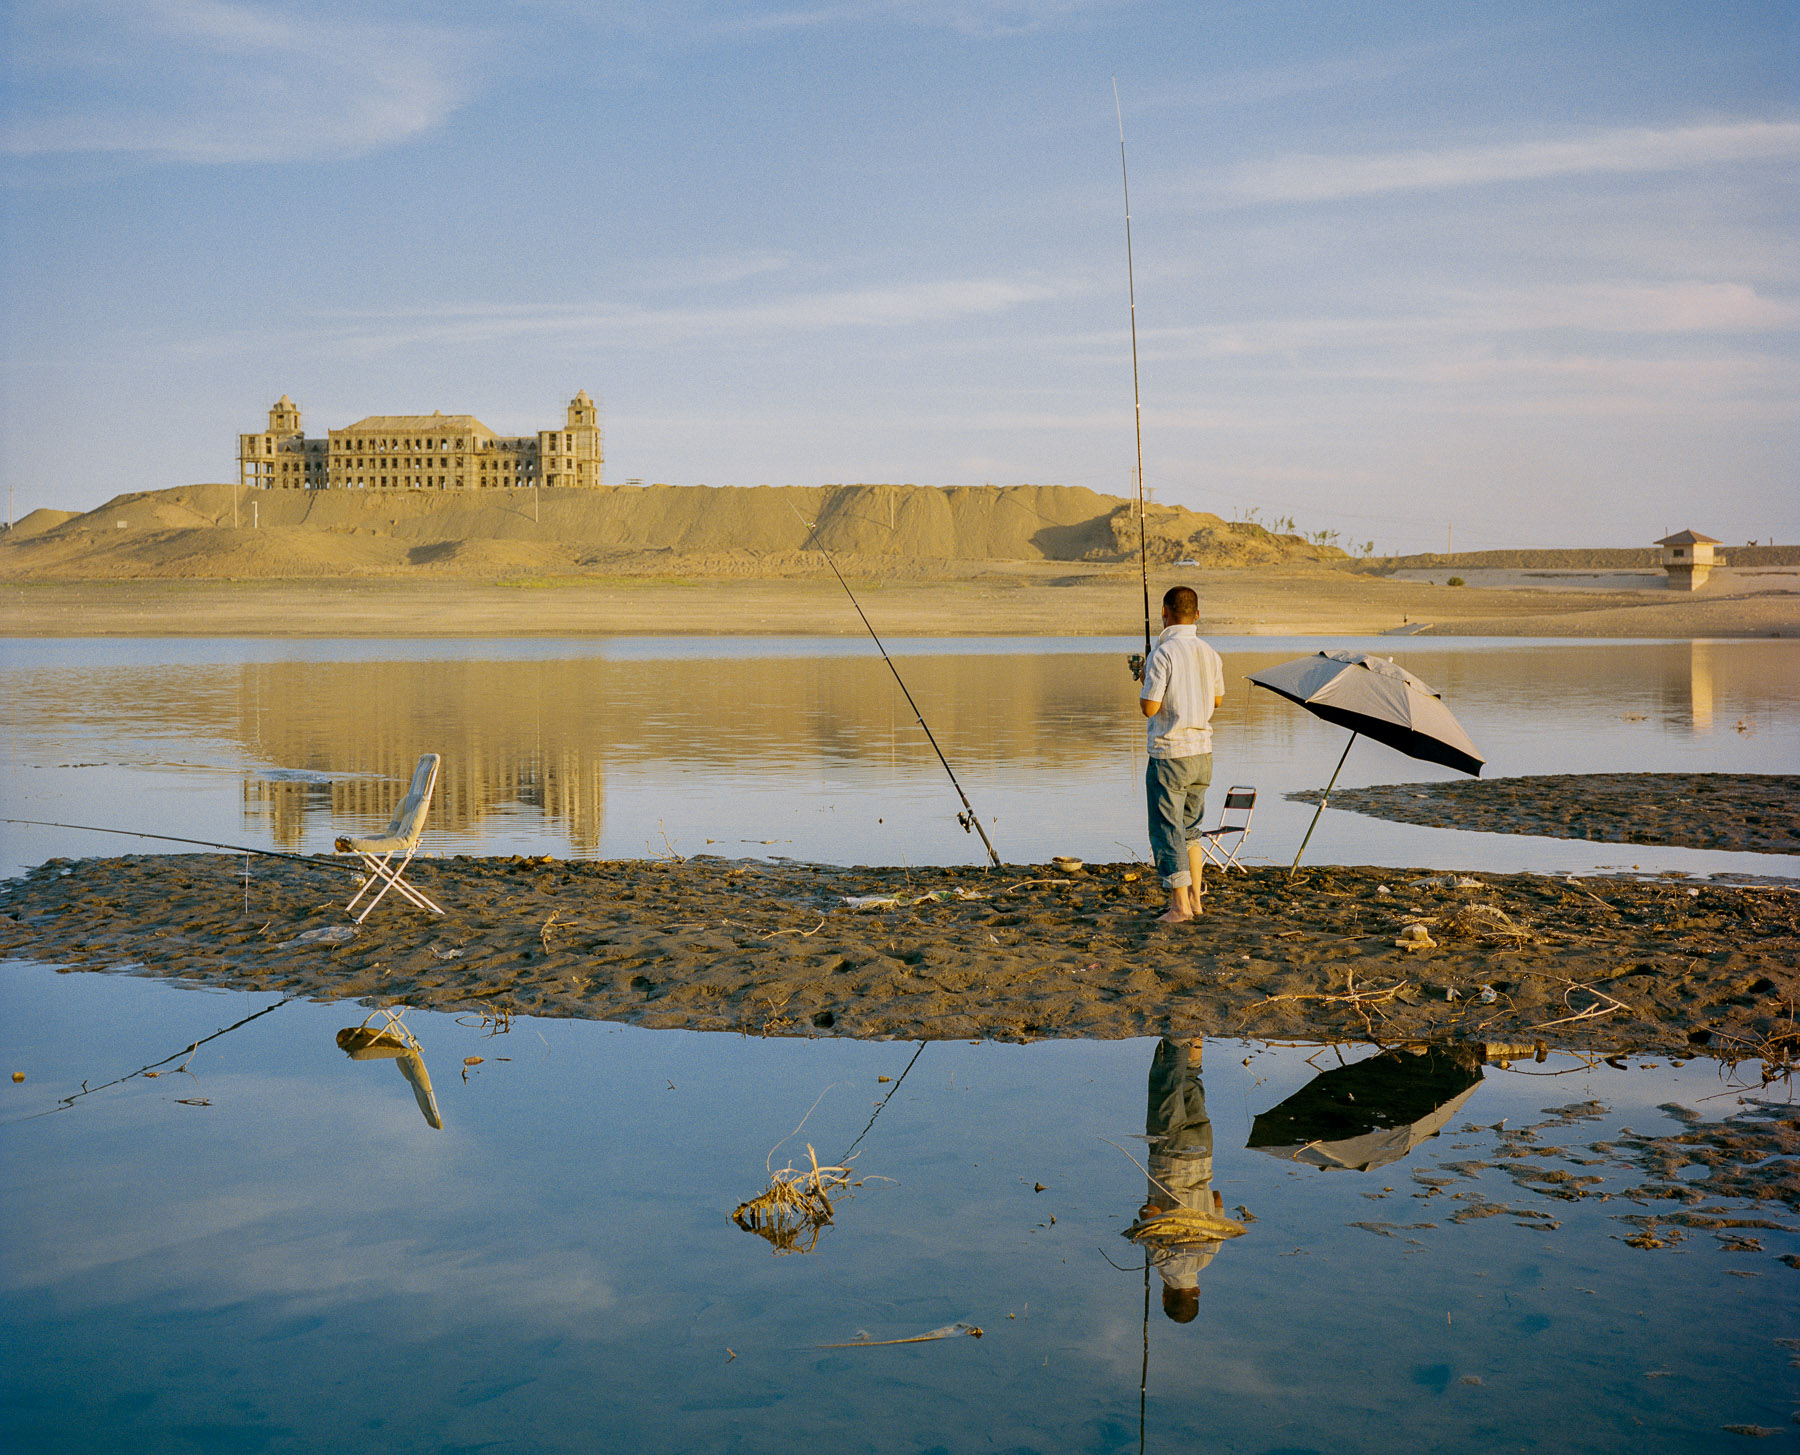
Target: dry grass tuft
[798,1205]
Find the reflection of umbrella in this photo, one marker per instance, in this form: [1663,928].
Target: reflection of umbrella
[1378,699]
[394,1043]
[1372,1112]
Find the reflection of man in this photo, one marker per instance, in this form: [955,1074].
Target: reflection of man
[1184,680]
[1181,1168]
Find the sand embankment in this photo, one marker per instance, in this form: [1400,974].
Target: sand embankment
[212,531]
[1578,558]
[1023,560]
[1025,953]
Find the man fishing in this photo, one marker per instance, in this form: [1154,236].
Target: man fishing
[1184,680]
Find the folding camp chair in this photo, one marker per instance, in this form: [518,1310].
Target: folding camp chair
[1239,799]
[401,839]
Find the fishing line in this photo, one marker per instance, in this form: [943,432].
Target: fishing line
[967,817]
[883,1103]
[1137,408]
[315,862]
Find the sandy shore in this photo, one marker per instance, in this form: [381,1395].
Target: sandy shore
[1747,812]
[1032,599]
[777,948]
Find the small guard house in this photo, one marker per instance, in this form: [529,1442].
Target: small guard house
[1688,558]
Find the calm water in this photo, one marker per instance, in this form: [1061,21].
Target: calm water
[274,1251]
[269,1247]
[806,749]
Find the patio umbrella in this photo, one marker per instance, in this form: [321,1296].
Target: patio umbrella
[1374,698]
[1372,1112]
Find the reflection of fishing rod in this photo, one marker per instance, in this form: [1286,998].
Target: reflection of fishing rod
[1137,408]
[64,1103]
[883,1102]
[1144,1368]
[313,860]
[967,817]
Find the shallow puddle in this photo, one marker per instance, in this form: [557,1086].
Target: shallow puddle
[269,1244]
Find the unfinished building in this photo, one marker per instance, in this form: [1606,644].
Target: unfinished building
[421,452]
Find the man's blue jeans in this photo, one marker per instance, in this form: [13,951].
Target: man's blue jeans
[1176,788]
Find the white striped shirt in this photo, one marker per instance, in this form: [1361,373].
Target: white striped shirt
[1187,677]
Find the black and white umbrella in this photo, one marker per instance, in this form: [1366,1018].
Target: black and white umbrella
[1372,1112]
[1375,698]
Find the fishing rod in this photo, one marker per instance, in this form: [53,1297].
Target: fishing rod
[89,828]
[967,817]
[1137,408]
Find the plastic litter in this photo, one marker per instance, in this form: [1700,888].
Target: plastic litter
[329,935]
[1415,937]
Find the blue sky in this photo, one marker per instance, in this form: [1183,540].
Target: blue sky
[1531,269]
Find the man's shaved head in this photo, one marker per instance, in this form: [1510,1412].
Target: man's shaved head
[1182,604]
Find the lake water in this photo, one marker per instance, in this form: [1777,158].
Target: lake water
[269,1246]
[805,748]
[274,1251]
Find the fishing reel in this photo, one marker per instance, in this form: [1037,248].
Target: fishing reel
[967,820]
[1136,662]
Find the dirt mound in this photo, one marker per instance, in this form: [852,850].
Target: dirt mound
[1173,535]
[1740,812]
[201,531]
[38,522]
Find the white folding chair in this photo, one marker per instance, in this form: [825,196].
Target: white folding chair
[1240,799]
[401,840]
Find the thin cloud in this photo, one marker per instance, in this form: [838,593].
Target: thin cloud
[620,326]
[212,81]
[1278,83]
[968,17]
[1316,178]
[1625,308]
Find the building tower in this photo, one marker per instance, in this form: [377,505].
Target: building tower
[284,417]
[281,457]
[574,454]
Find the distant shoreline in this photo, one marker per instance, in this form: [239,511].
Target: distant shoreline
[966,599]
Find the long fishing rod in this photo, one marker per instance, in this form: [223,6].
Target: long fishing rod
[967,817]
[309,859]
[1137,408]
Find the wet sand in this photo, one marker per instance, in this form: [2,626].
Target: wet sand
[1747,812]
[774,948]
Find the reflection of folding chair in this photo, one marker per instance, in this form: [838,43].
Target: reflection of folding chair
[1239,799]
[401,839]
[394,1042]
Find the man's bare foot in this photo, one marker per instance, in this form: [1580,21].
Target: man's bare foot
[1173,916]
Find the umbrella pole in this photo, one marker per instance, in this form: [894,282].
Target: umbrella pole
[1324,799]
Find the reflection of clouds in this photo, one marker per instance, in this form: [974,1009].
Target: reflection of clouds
[278,1205]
